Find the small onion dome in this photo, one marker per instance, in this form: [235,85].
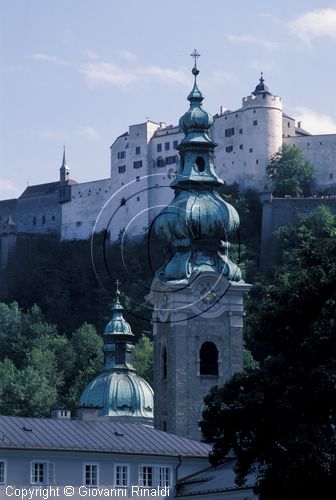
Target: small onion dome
[195,117]
[121,395]
[197,215]
[261,88]
[117,324]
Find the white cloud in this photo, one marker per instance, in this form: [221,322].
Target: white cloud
[47,58]
[261,66]
[104,72]
[88,132]
[107,72]
[91,54]
[220,76]
[315,123]
[8,189]
[127,55]
[251,40]
[316,23]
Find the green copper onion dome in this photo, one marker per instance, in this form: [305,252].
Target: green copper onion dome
[197,223]
[118,391]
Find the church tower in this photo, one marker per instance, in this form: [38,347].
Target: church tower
[198,294]
[64,190]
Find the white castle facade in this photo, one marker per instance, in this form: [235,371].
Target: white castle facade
[144,161]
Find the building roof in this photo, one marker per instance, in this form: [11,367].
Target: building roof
[213,480]
[94,436]
[43,189]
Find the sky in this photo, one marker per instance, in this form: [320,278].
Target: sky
[79,72]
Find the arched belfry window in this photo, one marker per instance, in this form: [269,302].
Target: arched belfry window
[208,359]
[164,362]
[200,163]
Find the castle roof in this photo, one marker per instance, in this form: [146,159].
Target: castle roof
[43,189]
[94,436]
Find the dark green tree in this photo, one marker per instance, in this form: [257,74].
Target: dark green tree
[143,359]
[280,419]
[291,174]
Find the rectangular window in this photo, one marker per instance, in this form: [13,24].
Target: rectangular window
[229,149]
[240,131]
[288,124]
[43,219]
[2,472]
[137,164]
[241,146]
[121,169]
[163,476]
[34,221]
[137,150]
[257,161]
[42,473]
[159,148]
[167,146]
[121,475]
[146,476]
[160,162]
[175,144]
[255,122]
[121,155]
[229,132]
[90,474]
[170,160]
[251,150]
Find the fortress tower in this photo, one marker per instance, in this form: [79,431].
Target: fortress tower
[198,294]
[262,130]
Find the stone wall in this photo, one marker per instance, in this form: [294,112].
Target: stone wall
[278,212]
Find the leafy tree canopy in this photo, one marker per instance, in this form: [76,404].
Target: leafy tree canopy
[289,172]
[280,419]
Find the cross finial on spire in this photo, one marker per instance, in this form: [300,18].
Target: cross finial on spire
[117,283]
[195,56]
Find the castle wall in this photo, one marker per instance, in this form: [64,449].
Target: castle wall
[278,212]
[38,214]
[320,150]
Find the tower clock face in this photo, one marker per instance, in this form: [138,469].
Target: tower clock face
[208,291]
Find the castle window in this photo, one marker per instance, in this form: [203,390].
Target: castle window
[170,160]
[236,115]
[146,475]
[240,130]
[255,122]
[288,124]
[138,198]
[167,146]
[229,149]
[251,150]
[53,217]
[78,223]
[254,111]
[208,359]
[137,150]
[308,143]
[229,132]
[91,474]
[43,219]
[257,161]
[164,363]
[3,472]
[121,155]
[137,178]
[121,169]
[164,425]
[137,164]
[320,143]
[175,144]
[121,475]
[241,146]
[159,148]
[34,221]
[200,163]
[160,162]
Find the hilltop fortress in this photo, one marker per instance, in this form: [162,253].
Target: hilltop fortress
[144,162]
